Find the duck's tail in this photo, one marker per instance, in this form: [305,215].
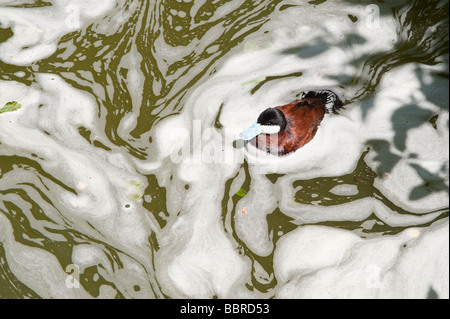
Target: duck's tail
[331,100]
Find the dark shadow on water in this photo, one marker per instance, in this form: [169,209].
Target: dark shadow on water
[432,183]
[405,118]
[386,159]
[430,86]
[320,45]
[309,50]
[432,294]
[410,116]
[423,39]
[319,192]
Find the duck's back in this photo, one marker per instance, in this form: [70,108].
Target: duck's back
[303,119]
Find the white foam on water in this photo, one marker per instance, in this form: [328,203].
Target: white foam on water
[344,190]
[334,151]
[322,262]
[38,30]
[37,268]
[424,145]
[310,248]
[107,192]
[251,213]
[86,255]
[198,256]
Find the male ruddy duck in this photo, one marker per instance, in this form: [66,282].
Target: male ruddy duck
[284,129]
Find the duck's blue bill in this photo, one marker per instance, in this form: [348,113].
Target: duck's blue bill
[251,132]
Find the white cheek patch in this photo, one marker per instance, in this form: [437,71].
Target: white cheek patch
[269,129]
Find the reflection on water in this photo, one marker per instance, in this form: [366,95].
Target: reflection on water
[96,200]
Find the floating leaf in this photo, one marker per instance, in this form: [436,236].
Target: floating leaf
[241,192]
[10,106]
[135,189]
[135,183]
[137,196]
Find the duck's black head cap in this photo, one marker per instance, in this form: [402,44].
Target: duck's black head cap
[272,116]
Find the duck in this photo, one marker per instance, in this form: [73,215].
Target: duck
[284,129]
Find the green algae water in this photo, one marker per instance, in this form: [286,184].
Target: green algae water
[122,174]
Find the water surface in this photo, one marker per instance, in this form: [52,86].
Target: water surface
[122,175]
